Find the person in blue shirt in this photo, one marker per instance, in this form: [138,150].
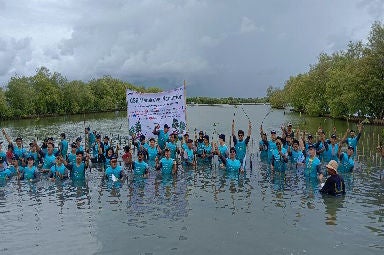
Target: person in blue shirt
[115,170]
[152,150]
[167,165]
[279,157]
[189,154]
[199,142]
[163,135]
[331,150]
[308,143]
[221,148]
[352,140]
[106,143]
[71,157]
[232,164]
[15,167]
[49,158]
[296,153]
[30,170]
[139,166]
[347,162]
[63,145]
[90,136]
[77,169]
[141,145]
[206,154]
[172,145]
[78,144]
[34,153]
[313,165]
[240,143]
[98,150]
[5,173]
[58,170]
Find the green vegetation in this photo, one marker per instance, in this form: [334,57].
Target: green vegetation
[225,100]
[48,93]
[342,84]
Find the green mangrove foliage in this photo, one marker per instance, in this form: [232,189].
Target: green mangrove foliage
[346,83]
[48,93]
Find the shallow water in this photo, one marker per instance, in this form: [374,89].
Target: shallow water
[201,211]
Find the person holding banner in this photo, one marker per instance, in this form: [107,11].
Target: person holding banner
[163,135]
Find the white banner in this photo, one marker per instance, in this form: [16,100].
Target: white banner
[146,110]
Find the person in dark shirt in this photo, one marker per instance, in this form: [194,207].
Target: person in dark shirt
[334,185]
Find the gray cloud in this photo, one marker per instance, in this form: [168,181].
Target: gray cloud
[221,48]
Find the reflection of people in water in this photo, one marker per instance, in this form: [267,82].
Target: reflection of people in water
[332,206]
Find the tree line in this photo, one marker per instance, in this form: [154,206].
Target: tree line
[344,84]
[225,100]
[48,93]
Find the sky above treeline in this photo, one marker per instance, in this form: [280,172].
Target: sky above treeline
[221,48]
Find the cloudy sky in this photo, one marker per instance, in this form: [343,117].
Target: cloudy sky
[220,47]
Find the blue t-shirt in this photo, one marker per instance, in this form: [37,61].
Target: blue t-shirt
[312,167]
[152,153]
[162,139]
[166,165]
[223,149]
[49,161]
[30,172]
[60,169]
[64,147]
[241,148]
[330,153]
[297,156]
[117,172]
[5,173]
[77,171]
[346,163]
[233,165]
[278,161]
[140,168]
[172,147]
[71,158]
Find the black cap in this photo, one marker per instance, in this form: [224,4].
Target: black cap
[310,136]
[311,146]
[232,149]
[142,137]
[167,149]
[62,135]
[98,136]
[140,152]
[15,157]
[289,124]
[333,136]
[73,145]
[201,132]
[273,131]
[166,126]
[206,137]
[114,156]
[78,139]
[222,136]
[351,148]
[189,141]
[79,152]
[186,134]
[30,157]
[106,137]
[1,160]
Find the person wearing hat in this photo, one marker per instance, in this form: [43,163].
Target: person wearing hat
[240,143]
[59,170]
[232,164]
[353,139]
[30,170]
[271,143]
[331,149]
[334,185]
[5,173]
[199,143]
[313,164]
[162,134]
[139,166]
[63,145]
[167,165]
[77,169]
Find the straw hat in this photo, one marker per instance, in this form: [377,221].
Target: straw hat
[332,165]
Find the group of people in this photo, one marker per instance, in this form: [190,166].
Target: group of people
[170,150]
[304,151]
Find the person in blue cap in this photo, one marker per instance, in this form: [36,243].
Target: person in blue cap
[162,134]
[313,164]
[167,165]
